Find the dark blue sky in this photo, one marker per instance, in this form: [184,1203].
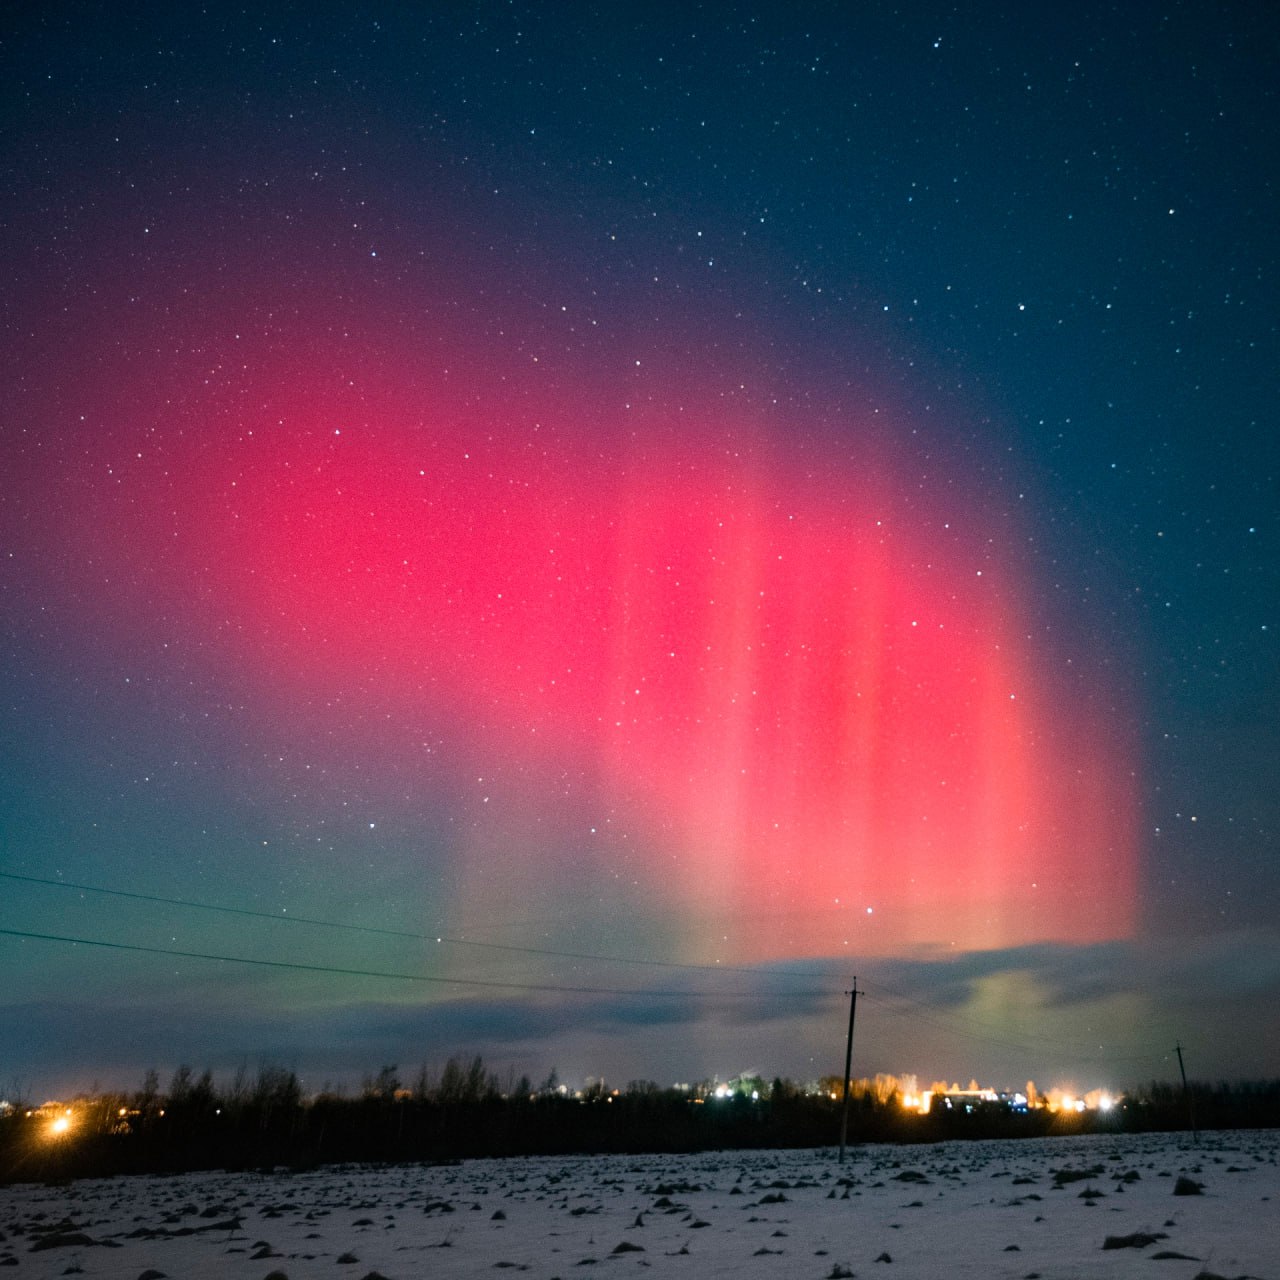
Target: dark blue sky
[908,294]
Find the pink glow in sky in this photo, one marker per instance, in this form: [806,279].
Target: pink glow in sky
[822,723]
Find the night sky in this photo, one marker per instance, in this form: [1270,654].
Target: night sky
[569,533]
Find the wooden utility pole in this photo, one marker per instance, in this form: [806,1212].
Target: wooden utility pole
[1186,1093]
[848,1066]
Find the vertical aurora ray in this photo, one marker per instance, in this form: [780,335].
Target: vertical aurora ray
[822,727]
[665,487]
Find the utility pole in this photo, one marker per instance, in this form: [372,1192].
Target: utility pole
[848,1066]
[1186,1093]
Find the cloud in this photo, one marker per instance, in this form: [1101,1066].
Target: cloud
[1213,968]
[1120,1005]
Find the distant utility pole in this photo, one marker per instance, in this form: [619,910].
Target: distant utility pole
[848,1066]
[1186,1093]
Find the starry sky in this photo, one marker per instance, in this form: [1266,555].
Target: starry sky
[569,533]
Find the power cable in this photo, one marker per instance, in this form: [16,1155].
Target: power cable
[988,1037]
[916,1008]
[990,1032]
[409,977]
[419,937]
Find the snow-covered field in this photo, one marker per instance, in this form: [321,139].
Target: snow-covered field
[1067,1207]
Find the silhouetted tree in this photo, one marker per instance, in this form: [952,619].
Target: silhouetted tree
[385,1085]
[276,1097]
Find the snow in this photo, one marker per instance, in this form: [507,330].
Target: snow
[977,1209]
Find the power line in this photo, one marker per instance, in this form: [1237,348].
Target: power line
[418,937]
[989,1034]
[916,1008]
[986,1036]
[993,1034]
[408,977]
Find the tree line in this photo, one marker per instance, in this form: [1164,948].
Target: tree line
[266,1120]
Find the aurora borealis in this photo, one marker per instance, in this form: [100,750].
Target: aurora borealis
[622,493]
